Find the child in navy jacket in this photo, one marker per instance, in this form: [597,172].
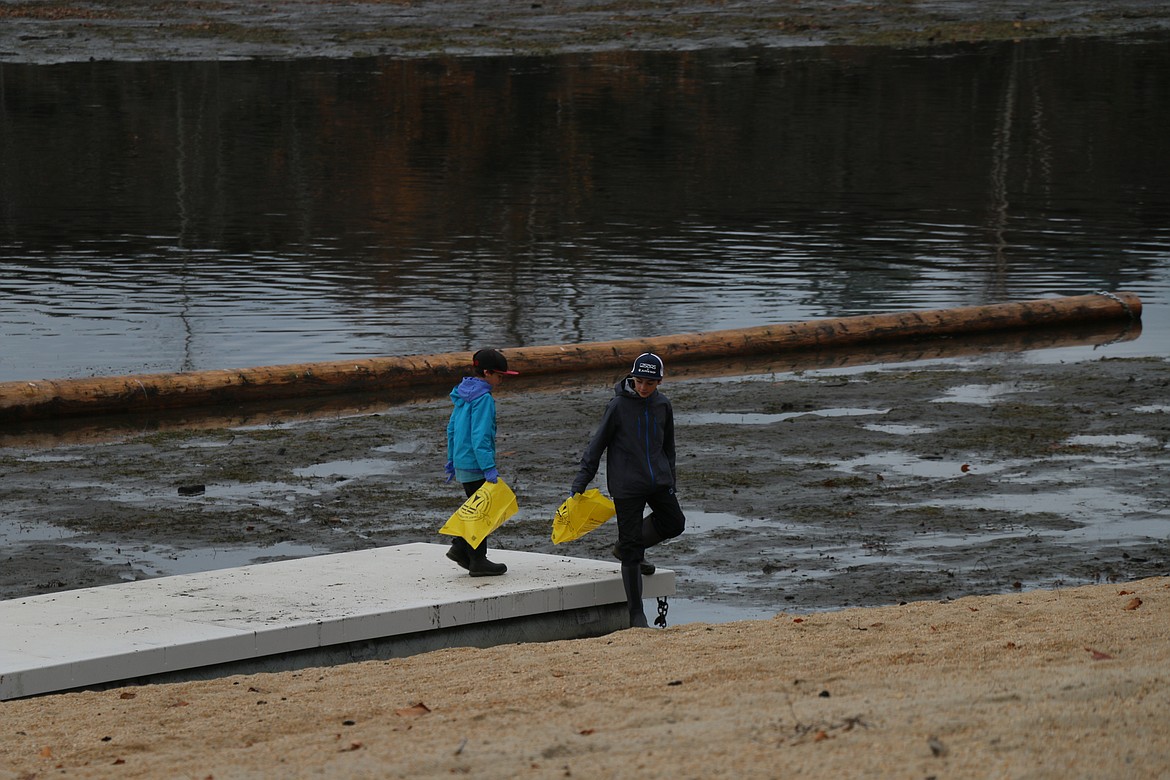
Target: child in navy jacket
[637,433]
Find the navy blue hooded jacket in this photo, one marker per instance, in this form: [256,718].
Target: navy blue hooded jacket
[637,435]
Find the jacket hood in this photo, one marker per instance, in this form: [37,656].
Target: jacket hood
[469,389]
[625,387]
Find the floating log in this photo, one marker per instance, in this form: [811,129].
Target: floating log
[47,399]
[59,431]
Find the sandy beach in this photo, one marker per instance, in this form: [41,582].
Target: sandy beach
[1044,684]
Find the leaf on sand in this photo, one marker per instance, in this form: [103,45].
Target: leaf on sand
[1098,655]
[1134,603]
[416,711]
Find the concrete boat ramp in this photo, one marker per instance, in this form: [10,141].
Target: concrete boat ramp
[387,602]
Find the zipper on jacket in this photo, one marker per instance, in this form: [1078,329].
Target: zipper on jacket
[648,423]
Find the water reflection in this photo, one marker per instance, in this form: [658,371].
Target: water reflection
[174,216]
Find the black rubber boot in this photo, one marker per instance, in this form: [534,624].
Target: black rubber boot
[460,552]
[480,566]
[632,580]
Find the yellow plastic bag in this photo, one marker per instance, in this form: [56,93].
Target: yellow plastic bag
[580,514]
[483,512]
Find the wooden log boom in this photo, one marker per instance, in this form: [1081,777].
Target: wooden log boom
[50,398]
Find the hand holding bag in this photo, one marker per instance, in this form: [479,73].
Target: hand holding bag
[580,514]
[483,512]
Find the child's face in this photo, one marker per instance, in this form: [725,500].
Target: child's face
[645,387]
[493,378]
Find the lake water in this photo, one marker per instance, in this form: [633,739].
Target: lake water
[178,216]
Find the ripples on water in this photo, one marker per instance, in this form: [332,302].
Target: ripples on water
[165,216]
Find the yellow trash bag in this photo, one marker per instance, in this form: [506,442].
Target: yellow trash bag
[483,512]
[580,514]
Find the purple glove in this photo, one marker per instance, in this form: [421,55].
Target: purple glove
[450,469]
[491,475]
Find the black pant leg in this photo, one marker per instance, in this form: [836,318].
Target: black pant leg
[667,515]
[629,519]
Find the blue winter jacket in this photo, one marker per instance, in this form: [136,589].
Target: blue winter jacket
[637,435]
[471,431]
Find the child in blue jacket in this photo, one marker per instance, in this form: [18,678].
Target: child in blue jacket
[637,433]
[471,447]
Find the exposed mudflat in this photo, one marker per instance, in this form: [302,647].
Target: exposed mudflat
[804,491]
[60,31]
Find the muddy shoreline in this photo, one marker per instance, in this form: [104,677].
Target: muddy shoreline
[805,490]
[57,32]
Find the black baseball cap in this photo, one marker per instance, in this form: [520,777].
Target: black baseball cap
[648,366]
[492,360]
